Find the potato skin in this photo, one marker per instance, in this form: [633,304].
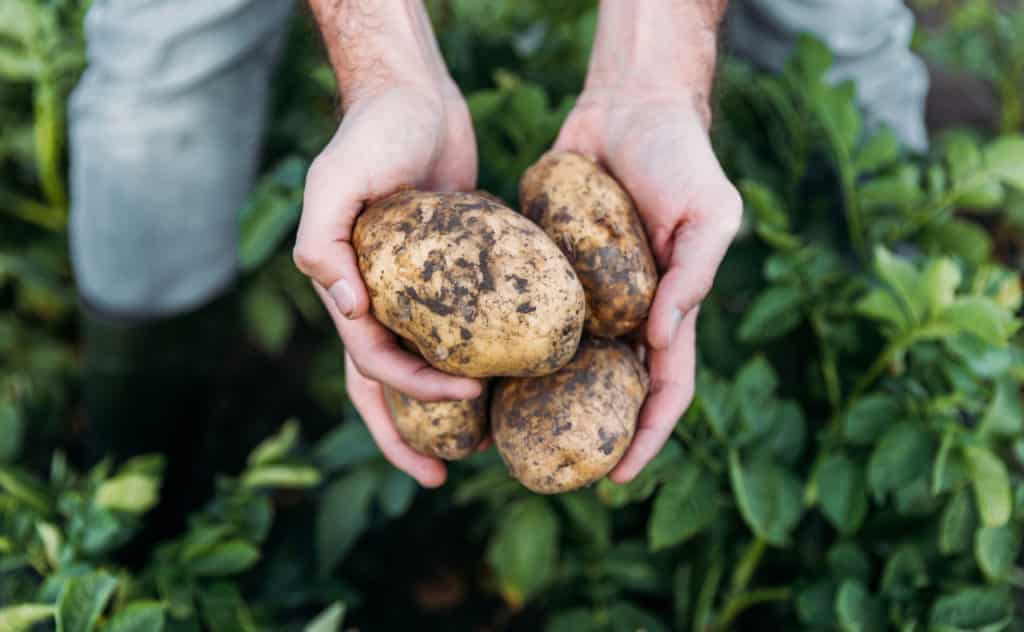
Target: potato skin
[566,430]
[478,288]
[446,430]
[594,222]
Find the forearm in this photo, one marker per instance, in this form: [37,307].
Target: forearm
[373,45]
[656,47]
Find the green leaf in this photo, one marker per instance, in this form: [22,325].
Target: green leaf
[281,476]
[905,282]
[903,454]
[21,617]
[905,573]
[971,608]
[329,620]
[83,600]
[685,506]
[268,318]
[227,558]
[1004,416]
[996,549]
[52,542]
[348,444]
[842,493]
[815,604]
[846,560]
[980,357]
[755,386]
[271,213]
[856,610]
[982,317]
[589,518]
[957,524]
[342,517]
[991,485]
[900,188]
[644,484]
[868,417]
[768,497]
[139,616]
[788,432]
[396,492]
[573,620]
[717,402]
[276,446]
[883,306]
[131,493]
[809,61]
[524,549]
[775,312]
[11,431]
[881,150]
[1005,157]
[961,238]
[938,284]
[25,488]
[625,617]
[224,610]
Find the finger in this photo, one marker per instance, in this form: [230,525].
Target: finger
[376,352]
[697,249]
[672,376]
[368,398]
[331,202]
[485,443]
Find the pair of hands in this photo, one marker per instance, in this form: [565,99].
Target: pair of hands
[657,146]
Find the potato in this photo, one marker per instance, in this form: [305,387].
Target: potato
[478,288]
[566,430]
[446,430]
[594,222]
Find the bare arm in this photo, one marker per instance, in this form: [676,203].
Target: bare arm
[644,113]
[373,45]
[657,47]
[405,123]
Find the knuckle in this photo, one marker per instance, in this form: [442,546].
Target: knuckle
[307,258]
[732,210]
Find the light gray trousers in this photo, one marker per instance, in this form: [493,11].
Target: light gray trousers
[166,122]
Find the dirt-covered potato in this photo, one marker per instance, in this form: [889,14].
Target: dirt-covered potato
[479,289]
[594,222]
[446,430]
[566,430]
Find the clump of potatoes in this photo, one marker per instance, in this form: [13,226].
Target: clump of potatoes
[482,291]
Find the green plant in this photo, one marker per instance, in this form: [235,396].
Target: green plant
[985,39]
[852,460]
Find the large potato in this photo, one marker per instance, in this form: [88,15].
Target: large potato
[565,430]
[594,222]
[446,430]
[478,288]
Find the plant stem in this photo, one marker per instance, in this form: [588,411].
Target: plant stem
[49,135]
[748,564]
[829,370]
[883,360]
[706,597]
[738,603]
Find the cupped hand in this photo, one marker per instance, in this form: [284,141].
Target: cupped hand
[658,148]
[401,136]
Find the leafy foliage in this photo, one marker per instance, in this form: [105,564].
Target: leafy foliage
[852,459]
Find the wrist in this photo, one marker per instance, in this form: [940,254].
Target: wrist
[377,46]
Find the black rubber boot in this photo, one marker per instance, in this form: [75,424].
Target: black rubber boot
[148,387]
